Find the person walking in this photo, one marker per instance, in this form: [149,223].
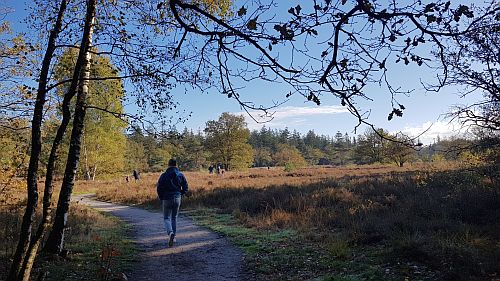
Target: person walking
[171,185]
[136,175]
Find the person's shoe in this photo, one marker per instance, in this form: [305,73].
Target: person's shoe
[171,239]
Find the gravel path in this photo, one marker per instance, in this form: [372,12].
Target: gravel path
[199,254]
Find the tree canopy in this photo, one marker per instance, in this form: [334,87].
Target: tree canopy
[103,138]
[342,48]
[227,140]
[474,67]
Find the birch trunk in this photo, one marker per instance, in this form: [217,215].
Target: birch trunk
[55,241]
[26,268]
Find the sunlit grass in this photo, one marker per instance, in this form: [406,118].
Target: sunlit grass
[89,234]
[362,222]
[379,222]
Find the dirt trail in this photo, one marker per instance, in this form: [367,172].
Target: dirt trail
[198,254]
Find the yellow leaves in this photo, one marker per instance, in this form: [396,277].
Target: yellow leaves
[287,154]
[422,178]
[220,8]
[13,52]
[5,27]
[471,159]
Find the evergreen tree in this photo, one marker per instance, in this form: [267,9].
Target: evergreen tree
[192,154]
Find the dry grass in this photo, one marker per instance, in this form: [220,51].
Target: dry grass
[440,221]
[144,191]
[422,222]
[89,233]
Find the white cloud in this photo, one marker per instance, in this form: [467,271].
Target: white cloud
[430,131]
[288,116]
[297,111]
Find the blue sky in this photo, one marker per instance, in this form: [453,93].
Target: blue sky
[424,109]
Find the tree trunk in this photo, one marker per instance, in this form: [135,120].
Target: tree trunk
[86,160]
[55,241]
[36,146]
[94,172]
[50,169]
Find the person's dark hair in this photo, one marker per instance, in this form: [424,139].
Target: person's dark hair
[172,163]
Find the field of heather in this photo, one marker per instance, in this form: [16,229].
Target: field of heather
[420,222]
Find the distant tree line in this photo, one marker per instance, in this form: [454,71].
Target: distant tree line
[228,142]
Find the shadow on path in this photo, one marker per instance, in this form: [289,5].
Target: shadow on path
[199,254]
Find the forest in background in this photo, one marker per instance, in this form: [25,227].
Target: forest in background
[110,149]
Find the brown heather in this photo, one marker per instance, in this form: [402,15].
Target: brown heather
[428,221]
[144,191]
[441,217]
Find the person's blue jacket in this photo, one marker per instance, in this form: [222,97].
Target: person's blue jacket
[171,183]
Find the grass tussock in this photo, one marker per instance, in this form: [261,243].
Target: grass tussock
[361,222]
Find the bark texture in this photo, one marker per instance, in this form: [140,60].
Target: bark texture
[55,241]
[36,147]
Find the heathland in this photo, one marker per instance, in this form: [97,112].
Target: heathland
[434,221]
[374,222]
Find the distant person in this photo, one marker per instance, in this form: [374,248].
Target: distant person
[218,169]
[137,176]
[211,169]
[170,187]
